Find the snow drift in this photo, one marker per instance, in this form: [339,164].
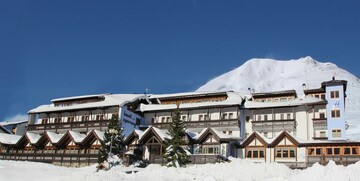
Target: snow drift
[238,169]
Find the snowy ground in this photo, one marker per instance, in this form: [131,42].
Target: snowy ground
[242,170]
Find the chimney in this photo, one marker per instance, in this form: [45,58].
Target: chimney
[304,86]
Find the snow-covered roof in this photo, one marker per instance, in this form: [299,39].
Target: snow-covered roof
[110,100]
[220,134]
[289,103]
[78,97]
[267,140]
[139,132]
[183,94]
[78,137]
[232,99]
[6,123]
[161,133]
[9,138]
[100,134]
[54,137]
[33,138]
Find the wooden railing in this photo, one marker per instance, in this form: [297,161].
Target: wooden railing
[204,124]
[86,125]
[274,125]
[60,159]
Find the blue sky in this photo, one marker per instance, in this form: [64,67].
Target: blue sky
[51,49]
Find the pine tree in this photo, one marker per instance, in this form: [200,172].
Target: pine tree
[113,141]
[174,153]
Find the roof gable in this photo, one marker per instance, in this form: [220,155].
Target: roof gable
[253,139]
[161,135]
[285,139]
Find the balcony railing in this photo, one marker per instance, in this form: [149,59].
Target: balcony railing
[60,159]
[274,125]
[85,125]
[320,123]
[204,124]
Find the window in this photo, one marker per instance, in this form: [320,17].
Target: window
[224,116]
[201,117]
[355,151]
[323,96]
[247,118]
[230,132]
[265,117]
[152,120]
[259,118]
[97,117]
[322,115]
[163,119]
[347,151]
[281,116]
[183,118]
[255,153]
[336,133]
[44,121]
[266,134]
[206,117]
[288,115]
[87,118]
[285,152]
[322,134]
[230,115]
[210,149]
[332,151]
[335,113]
[82,118]
[334,94]
[167,119]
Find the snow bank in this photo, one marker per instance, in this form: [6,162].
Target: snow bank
[242,170]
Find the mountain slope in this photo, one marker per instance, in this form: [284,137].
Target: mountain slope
[262,75]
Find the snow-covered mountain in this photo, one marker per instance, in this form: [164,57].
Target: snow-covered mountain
[262,75]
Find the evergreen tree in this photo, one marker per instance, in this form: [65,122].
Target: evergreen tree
[113,141]
[174,153]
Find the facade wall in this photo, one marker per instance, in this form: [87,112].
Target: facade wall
[336,123]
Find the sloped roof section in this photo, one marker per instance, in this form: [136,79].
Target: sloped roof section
[32,137]
[9,139]
[218,135]
[232,99]
[77,137]
[256,135]
[290,103]
[54,137]
[109,100]
[161,134]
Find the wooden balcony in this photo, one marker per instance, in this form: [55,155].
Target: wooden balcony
[204,124]
[274,125]
[81,125]
[59,159]
[320,123]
